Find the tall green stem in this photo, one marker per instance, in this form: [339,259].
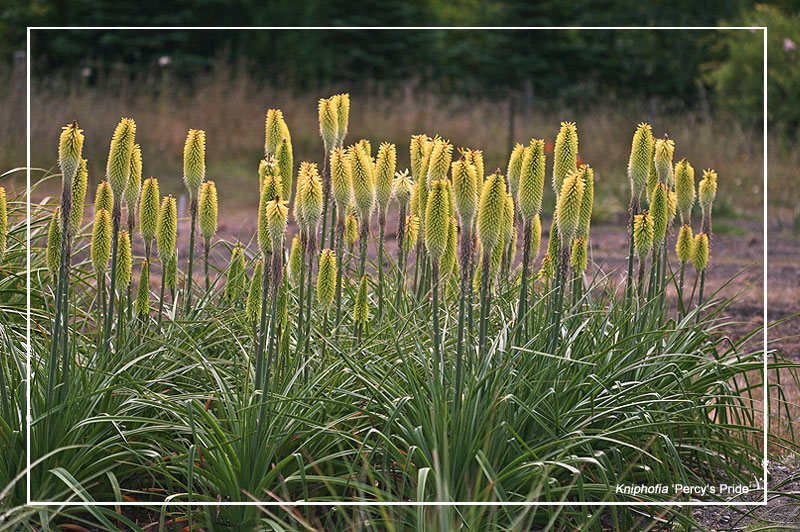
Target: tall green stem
[112,287]
[437,354]
[382,223]
[523,285]
[190,266]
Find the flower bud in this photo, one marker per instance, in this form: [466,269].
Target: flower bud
[341,180]
[514,168]
[643,234]
[70,148]
[700,252]
[100,251]
[134,186]
[664,149]
[148,209]
[124,261]
[285,161]
[328,122]
[641,159]
[411,234]
[566,155]
[579,257]
[441,156]
[569,206]
[363,183]
[236,278]
[194,161]
[79,186]
[465,190]
[659,213]
[207,209]
[490,211]
[684,189]
[384,173]
[585,219]
[531,180]
[437,218]
[167,230]
[104,197]
[402,187]
[119,157]
[342,116]
[683,247]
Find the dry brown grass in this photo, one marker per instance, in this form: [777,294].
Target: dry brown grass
[231,108]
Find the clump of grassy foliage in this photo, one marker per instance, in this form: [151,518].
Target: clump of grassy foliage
[551,388]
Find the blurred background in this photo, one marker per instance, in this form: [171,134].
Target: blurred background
[486,89]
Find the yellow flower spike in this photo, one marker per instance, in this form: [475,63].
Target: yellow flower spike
[643,234]
[119,157]
[683,247]
[326,279]
[440,158]
[148,210]
[700,252]
[264,169]
[134,186]
[579,257]
[659,213]
[402,187]
[385,165]
[350,230]
[236,278]
[342,117]
[417,150]
[208,209]
[53,252]
[275,131]
[652,176]
[277,219]
[312,199]
[490,210]
[100,250]
[514,168]
[448,260]
[70,148]
[662,159]
[79,186]
[548,271]
[569,206]
[361,307]
[585,220]
[142,305]
[531,180]
[536,236]
[708,190]
[475,158]
[328,122]
[252,308]
[167,230]
[411,234]
[465,191]
[104,197]
[124,261]
[684,189]
[194,161]
[437,220]
[299,211]
[285,162]
[565,160]
[641,159]
[341,181]
[366,145]
[363,184]
[295,258]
